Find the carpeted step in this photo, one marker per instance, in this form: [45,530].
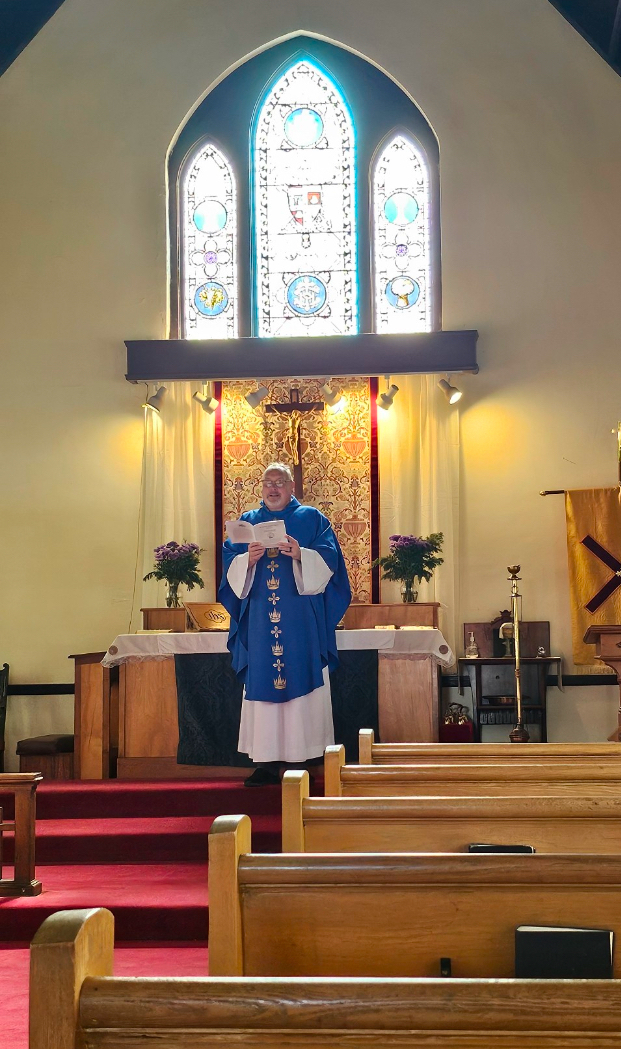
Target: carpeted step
[149,901]
[108,799]
[168,840]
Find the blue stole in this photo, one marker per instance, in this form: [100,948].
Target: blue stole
[280,641]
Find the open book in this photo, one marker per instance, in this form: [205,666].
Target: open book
[269,533]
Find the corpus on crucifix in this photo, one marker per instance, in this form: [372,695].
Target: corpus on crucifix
[294,409]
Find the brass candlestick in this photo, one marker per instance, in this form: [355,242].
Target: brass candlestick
[520,732]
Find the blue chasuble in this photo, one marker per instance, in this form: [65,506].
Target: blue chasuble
[280,641]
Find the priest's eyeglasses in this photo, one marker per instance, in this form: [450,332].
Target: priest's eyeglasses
[274,484]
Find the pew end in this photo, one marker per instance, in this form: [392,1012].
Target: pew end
[68,947]
[229,838]
[333,761]
[366,742]
[295,791]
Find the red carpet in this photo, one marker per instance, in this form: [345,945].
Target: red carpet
[138,960]
[137,848]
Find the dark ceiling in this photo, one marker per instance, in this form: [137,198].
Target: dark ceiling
[598,21]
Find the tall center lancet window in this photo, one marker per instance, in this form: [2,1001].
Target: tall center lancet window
[304,208]
[305,201]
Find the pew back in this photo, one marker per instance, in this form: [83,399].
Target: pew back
[444,824]
[74,1000]
[504,780]
[372,753]
[391,915]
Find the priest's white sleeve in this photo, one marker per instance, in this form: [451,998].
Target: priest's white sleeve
[240,577]
[311,574]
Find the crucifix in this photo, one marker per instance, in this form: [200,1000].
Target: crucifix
[294,409]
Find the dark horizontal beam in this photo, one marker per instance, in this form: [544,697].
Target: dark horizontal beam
[64,689]
[151,360]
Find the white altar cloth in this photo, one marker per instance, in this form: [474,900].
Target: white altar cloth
[417,641]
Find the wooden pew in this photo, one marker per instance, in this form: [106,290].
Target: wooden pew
[504,780]
[75,1001]
[23,786]
[550,824]
[388,914]
[372,753]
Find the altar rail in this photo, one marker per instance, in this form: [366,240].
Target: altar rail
[75,1000]
[550,824]
[23,786]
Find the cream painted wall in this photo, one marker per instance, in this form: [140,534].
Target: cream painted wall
[528,122]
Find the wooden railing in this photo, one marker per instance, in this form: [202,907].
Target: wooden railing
[23,785]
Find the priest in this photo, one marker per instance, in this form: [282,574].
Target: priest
[284,602]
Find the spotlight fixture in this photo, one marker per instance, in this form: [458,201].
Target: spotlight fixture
[452,393]
[207,402]
[385,399]
[255,397]
[335,399]
[156,400]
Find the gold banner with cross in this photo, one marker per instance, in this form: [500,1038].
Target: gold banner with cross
[594,556]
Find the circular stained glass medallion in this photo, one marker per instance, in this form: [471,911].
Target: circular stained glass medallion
[401,208]
[211,299]
[303,127]
[306,295]
[210,216]
[402,292]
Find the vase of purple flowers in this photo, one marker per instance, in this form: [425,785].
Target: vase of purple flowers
[176,563]
[411,558]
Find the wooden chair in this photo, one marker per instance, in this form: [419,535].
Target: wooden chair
[23,786]
[388,914]
[372,753]
[503,780]
[75,1000]
[4,692]
[549,824]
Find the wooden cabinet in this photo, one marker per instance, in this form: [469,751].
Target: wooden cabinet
[492,684]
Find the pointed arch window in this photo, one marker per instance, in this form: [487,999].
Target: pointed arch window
[208,242]
[401,204]
[304,201]
[304,207]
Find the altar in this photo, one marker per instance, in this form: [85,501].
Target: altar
[150,685]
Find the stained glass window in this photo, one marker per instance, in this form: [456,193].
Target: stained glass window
[208,247]
[304,208]
[402,247]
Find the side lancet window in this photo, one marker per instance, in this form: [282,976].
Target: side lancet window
[401,238]
[304,208]
[208,247]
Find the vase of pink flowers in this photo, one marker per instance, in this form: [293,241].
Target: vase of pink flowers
[411,559]
[177,564]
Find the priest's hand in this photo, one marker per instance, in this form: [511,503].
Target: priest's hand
[290,548]
[255,552]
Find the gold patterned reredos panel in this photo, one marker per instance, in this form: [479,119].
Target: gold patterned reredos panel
[336,460]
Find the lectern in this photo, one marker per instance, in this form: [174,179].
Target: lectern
[607,641]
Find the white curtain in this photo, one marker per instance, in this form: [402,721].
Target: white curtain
[177,499]
[419,485]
